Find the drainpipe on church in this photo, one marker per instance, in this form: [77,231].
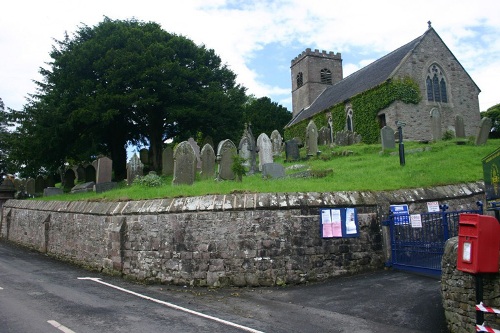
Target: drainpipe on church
[400,126]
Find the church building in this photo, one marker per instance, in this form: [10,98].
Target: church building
[421,85]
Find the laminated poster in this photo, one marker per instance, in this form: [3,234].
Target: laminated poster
[339,222]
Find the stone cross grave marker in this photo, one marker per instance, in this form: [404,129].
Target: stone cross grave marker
[311,139]
[225,152]
[265,148]
[167,161]
[184,164]
[207,157]
[387,137]
[484,131]
[292,152]
[135,169]
[277,142]
[104,170]
[459,126]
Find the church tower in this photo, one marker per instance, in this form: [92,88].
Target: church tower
[312,73]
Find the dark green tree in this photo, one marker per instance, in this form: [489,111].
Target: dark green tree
[494,114]
[266,115]
[5,166]
[125,82]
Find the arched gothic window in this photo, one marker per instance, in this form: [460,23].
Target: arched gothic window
[300,80]
[326,76]
[436,85]
[349,123]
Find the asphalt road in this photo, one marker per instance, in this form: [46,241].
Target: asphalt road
[42,295]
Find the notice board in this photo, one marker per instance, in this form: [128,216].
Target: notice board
[339,222]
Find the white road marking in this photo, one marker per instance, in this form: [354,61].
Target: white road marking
[60,327]
[173,306]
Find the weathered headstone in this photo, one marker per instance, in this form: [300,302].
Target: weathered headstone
[49,181]
[207,157]
[90,173]
[277,142]
[459,126]
[104,170]
[436,130]
[247,149]
[135,169]
[69,179]
[167,161]
[49,191]
[387,137]
[196,149]
[265,148]
[144,156]
[39,184]
[484,131]
[83,188]
[324,137]
[225,152]
[273,170]
[311,139]
[80,173]
[292,152]
[184,164]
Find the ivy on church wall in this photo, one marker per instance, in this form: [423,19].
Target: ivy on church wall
[366,107]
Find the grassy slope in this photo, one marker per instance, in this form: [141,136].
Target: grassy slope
[365,169]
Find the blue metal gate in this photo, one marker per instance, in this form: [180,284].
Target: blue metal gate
[421,249]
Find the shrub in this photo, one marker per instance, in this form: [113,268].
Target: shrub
[150,180]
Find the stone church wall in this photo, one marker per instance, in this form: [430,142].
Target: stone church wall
[239,239]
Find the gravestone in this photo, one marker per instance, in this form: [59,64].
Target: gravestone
[208,139]
[184,164]
[80,173]
[39,184]
[135,169]
[50,191]
[196,149]
[83,188]
[484,131]
[311,139]
[248,150]
[277,142]
[436,131]
[69,179]
[292,152]
[265,149]
[89,173]
[104,170]
[207,157]
[50,181]
[225,152]
[459,126]
[144,156]
[273,170]
[387,137]
[324,136]
[30,186]
[167,161]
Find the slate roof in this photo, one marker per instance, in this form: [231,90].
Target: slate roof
[364,79]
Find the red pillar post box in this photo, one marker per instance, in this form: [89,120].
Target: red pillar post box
[478,243]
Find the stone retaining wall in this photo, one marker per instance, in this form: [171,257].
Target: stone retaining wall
[459,293]
[238,239]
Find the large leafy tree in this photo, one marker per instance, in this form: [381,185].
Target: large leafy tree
[266,115]
[5,166]
[124,82]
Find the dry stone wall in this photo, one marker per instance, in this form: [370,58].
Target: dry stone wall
[218,240]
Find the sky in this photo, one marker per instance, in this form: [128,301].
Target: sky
[258,39]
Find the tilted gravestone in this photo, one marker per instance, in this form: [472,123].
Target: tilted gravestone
[273,170]
[459,126]
[265,148]
[184,164]
[167,161]
[225,152]
[207,157]
[135,169]
[484,131]
[311,139]
[277,142]
[247,149]
[104,170]
[436,130]
[387,137]
[292,152]
[196,149]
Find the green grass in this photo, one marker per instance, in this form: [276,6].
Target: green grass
[365,169]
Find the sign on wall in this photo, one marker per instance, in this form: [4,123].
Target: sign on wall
[400,213]
[339,222]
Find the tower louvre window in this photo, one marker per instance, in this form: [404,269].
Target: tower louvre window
[300,80]
[326,76]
